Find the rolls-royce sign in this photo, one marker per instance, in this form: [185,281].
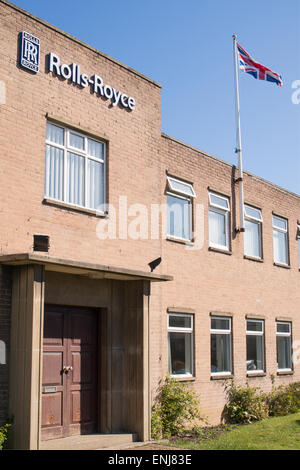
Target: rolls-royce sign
[29,52]
[73,73]
[30,58]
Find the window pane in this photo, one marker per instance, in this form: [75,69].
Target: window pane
[180,353]
[76,141]
[251,212]
[220,324]
[55,134]
[183,321]
[179,223]
[255,352]
[217,228]
[219,201]
[95,184]
[252,239]
[220,353]
[75,179]
[283,327]
[254,326]
[181,187]
[96,149]
[284,352]
[280,247]
[54,172]
[280,223]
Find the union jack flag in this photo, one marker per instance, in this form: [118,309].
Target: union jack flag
[249,65]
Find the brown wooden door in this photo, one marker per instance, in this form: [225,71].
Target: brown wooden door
[70,375]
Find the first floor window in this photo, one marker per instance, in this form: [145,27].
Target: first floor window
[221,350]
[180,344]
[255,345]
[252,237]
[280,240]
[75,168]
[179,208]
[284,345]
[219,221]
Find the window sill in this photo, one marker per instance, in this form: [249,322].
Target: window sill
[221,376]
[219,250]
[183,379]
[65,205]
[256,374]
[280,265]
[285,372]
[253,258]
[182,241]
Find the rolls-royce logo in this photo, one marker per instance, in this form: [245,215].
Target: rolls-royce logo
[30,52]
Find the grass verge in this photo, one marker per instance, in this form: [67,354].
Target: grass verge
[281,433]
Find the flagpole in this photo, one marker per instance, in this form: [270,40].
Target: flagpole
[238,136]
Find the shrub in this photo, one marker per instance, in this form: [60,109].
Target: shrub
[176,406]
[284,400]
[244,404]
[294,389]
[156,423]
[3,435]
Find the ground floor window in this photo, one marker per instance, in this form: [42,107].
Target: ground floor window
[255,345]
[221,349]
[180,344]
[284,345]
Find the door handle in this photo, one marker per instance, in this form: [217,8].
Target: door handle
[66,369]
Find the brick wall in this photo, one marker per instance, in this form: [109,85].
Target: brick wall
[5,309]
[208,281]
[138,158]
[133,145]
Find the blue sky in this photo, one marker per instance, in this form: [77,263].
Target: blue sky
[187,47]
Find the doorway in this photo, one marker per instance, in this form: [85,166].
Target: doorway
[70,384]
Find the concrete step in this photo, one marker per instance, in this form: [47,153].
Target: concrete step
[90,442]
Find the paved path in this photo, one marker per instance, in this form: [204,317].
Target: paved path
[152,446]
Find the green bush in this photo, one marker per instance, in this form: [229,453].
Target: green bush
[176,407]
[284,400]
[294,388]
[3,435]
[244,404]
[156,423]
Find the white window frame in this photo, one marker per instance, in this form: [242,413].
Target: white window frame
[173,189]
[287,335]
[173,329]
[224,211]
[222,332]
[185,195]
[257,333]
[259,222]
[285,231]
[82,153]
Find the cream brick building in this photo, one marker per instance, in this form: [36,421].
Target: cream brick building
[87,328]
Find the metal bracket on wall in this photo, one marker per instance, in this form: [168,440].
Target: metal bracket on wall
[238,180]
